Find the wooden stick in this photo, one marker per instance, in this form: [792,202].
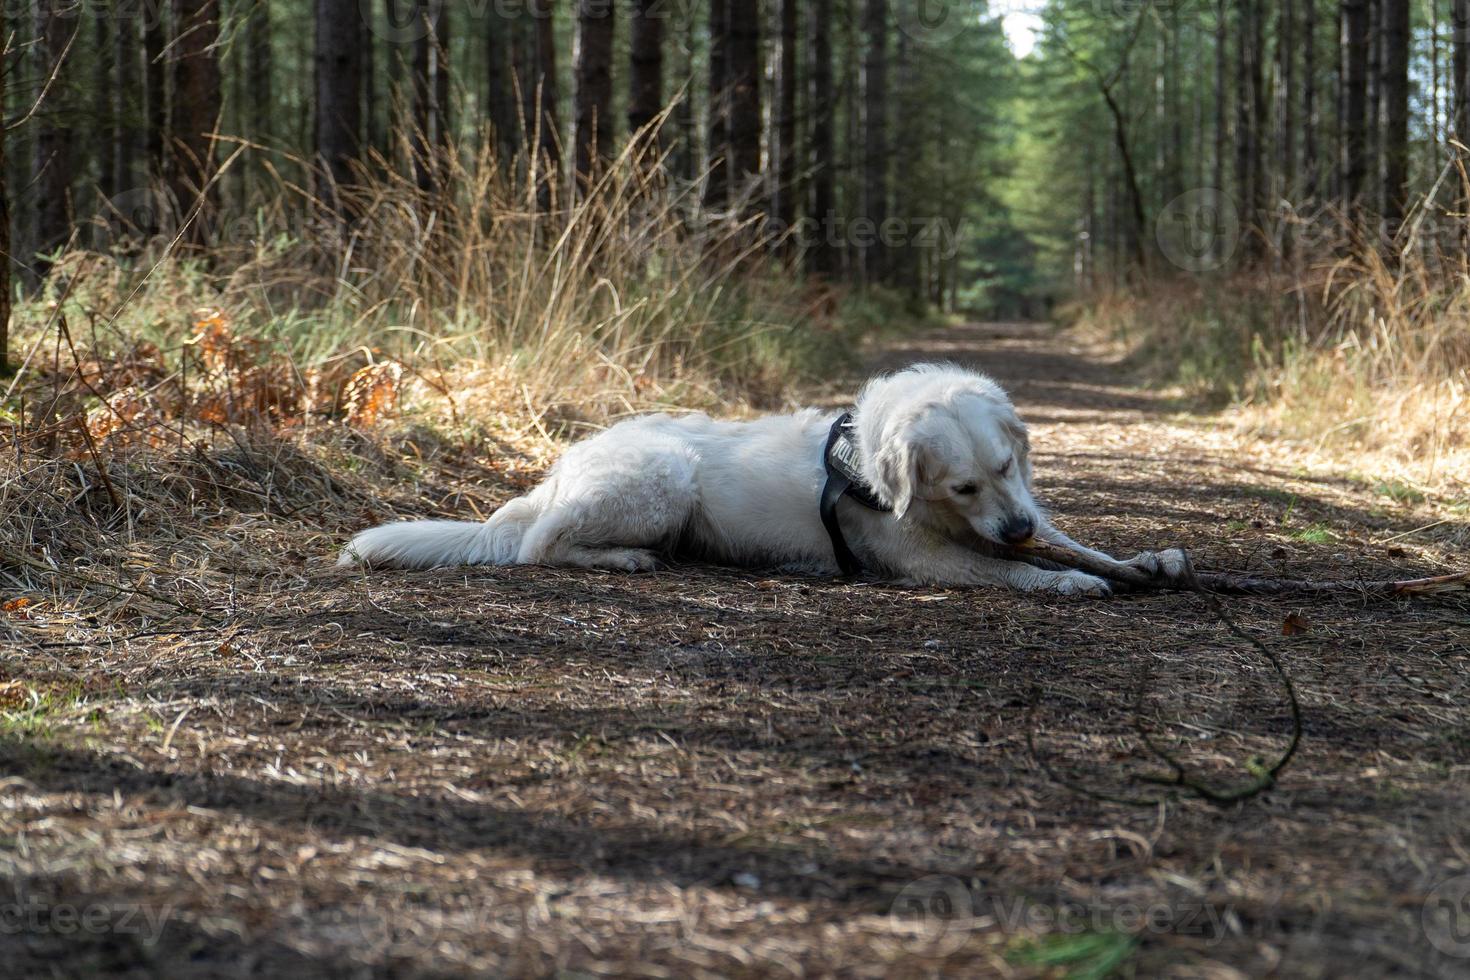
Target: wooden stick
[1226,583]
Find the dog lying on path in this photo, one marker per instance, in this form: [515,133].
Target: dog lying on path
[932,476]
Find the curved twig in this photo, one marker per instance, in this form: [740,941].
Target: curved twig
[1266,775]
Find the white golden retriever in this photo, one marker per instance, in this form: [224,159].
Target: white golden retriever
[945,460]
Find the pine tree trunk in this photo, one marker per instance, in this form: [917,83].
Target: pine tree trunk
[127,47]
[53,163]
[442,62]
[903,256]
[1286,50]
[1373,131]
[339,80]
[1395,112]
[783,186]
[717,184]
[194,59]
[684,113]
[823,156]
[1222,125]
[1354,103]
[745,92]
[6,369]
[1260,124]
[430,93]
[1460,68]
[547,125]
[108,122]
[646,67]
[155,38]
[875,136]
[1309,99]
[592,94]
[500,83]
[259,65]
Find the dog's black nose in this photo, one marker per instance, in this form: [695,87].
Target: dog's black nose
[1017,530]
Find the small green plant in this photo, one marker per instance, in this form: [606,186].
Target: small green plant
[1400,492]
[1315,534]
[1088,956]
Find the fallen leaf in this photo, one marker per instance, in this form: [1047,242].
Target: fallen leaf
[1294,625]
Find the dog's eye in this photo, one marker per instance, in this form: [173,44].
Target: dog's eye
[965,489]
[1006,469]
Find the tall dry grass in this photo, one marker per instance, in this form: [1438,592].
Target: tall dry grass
[1357,351]
[203,395]
[510,289]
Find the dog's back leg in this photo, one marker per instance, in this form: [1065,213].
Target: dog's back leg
[616,517]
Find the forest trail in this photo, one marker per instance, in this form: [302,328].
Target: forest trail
[711,772]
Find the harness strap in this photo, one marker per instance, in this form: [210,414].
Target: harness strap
[840,460]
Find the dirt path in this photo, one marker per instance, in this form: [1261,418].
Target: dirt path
[705,772]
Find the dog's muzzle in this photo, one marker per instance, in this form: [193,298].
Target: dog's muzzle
[1018,529]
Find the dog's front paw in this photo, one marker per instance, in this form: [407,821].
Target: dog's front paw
[1168,564]
[1080,583]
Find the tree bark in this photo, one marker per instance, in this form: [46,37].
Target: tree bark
[107,118]
[822,255]
[53,149]
[1395,112]
[745,91]
[1309,99]
[1460,86]
[259,64]
[500,86]
[546,95]
[717,181]
[783,184]
[1286,51]
[646,67]
[1222,58]
[684,113]
[875,135]
[127,46]
[194,59]
[6,368]
[155,39]
[431,93]
[592,95]
[1354,103]
[339,80]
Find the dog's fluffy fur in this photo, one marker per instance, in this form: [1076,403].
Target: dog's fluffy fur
[942,446]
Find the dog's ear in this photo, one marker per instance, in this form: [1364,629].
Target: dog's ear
[904,466]
[1015,430]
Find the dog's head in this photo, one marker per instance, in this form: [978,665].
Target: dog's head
[945,447]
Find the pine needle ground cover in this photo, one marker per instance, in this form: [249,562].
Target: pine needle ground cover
[225,755]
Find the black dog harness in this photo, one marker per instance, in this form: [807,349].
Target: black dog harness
[844,476]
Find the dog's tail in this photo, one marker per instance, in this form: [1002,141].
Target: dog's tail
[432,544]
